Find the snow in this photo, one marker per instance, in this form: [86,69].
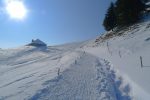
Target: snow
[108,69]
[124,53]
[148,3]
[37,42]
[87,79]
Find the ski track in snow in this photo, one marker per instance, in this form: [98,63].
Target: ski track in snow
[88,78]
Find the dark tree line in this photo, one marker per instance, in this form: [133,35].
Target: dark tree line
[110,20]
[146,1]
[123,13]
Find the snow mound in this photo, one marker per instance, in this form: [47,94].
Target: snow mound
[37,43]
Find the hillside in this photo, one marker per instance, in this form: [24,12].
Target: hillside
[124,51]
[105,68]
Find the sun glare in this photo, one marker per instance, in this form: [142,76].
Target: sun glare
[16,9]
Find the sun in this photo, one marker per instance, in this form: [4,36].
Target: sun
[16,9]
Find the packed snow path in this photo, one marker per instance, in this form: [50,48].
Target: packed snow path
[88,78]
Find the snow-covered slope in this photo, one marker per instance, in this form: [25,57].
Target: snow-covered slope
[108,69]
[124,54]
[32,73]
[88,78]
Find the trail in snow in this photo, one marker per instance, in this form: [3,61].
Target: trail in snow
[88,78]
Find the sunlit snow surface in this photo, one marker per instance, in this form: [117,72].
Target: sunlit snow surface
[88,71]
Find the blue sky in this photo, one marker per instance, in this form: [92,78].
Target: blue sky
[54,22]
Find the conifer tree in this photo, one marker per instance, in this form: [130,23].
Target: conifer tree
[110,20]
[145,1]
[128,11]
